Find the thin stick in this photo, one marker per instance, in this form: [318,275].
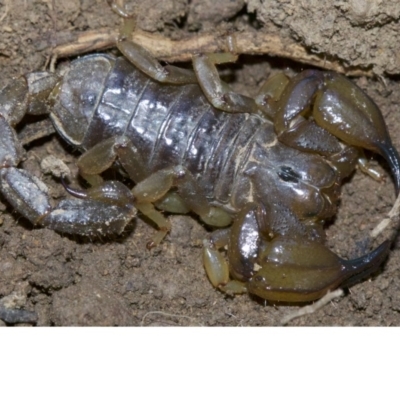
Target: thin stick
[162,48]
[392,216]
[313,307]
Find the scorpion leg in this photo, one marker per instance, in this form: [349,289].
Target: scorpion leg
[154,188]
[217,92]
[100,157]
[243,241]
[270,92]
[157,185]
[206,74]
[134,165]
[144,61]
[217,270]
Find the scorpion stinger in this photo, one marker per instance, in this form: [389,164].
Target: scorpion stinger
[390,154]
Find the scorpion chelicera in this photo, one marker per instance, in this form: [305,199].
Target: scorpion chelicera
[266,170]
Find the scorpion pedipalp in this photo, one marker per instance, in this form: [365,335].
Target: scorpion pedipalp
[341,108]
[348,113]
[287,267]
[293,270]
[101,213]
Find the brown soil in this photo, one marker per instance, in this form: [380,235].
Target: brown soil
[116,281]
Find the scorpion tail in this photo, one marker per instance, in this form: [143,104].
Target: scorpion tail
[363,267]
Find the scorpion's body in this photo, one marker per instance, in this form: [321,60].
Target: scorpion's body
[272,165]
[171,125]
[176,125]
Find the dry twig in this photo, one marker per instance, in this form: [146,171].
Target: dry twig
[251,42]
[313,307]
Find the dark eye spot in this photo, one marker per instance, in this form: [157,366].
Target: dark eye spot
[288,175]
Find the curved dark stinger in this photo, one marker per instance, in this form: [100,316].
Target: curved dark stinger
[392,157]
[365,266]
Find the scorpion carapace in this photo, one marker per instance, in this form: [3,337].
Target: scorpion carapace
[266,170]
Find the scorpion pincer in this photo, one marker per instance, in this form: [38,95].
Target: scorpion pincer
[267,170]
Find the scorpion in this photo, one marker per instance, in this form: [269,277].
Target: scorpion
[265,172]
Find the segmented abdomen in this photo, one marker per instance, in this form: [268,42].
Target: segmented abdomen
[170,125]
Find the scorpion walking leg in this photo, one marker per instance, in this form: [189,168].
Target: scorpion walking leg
[217,92]
[217,269]
[153,188]
[145,62]
[243,245]
[270,92]
[157,185]
[100,157]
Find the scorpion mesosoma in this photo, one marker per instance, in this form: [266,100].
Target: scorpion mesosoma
[267,170]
